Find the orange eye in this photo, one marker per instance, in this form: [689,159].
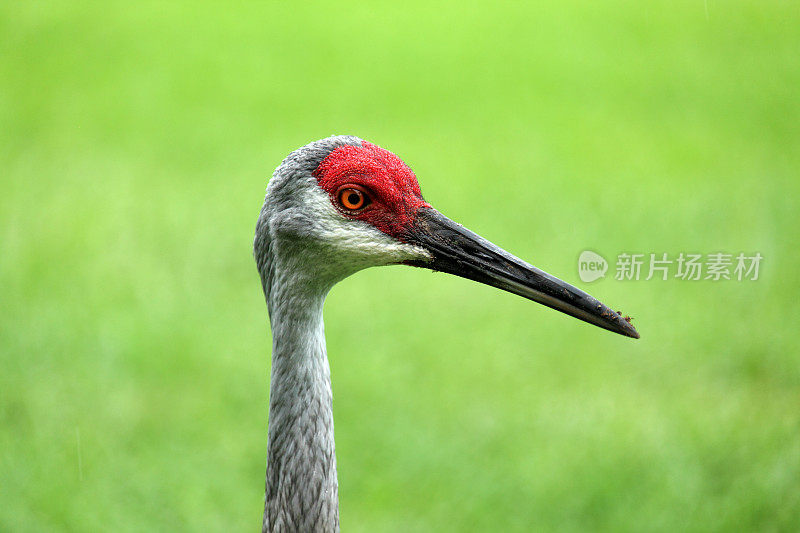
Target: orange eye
[352,199]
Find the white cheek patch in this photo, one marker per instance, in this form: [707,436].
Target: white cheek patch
[364,242]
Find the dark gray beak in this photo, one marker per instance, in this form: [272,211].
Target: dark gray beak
[456,250]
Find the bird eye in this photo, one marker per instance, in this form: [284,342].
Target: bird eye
[352,198]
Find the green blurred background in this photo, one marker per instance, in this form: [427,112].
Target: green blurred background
[136,140]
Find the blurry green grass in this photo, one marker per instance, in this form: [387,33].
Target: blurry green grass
[135,144]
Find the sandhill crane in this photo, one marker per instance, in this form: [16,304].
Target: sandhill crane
[332,208]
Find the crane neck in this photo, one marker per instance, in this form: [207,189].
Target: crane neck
[301,484]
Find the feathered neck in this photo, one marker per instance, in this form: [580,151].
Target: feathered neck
[301,484]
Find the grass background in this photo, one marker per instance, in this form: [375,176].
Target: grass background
[136,140]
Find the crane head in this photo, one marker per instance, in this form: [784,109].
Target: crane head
[341,204]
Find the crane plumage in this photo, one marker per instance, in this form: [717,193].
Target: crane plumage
[332,208]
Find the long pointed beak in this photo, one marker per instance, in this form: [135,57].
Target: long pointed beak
[456,250]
